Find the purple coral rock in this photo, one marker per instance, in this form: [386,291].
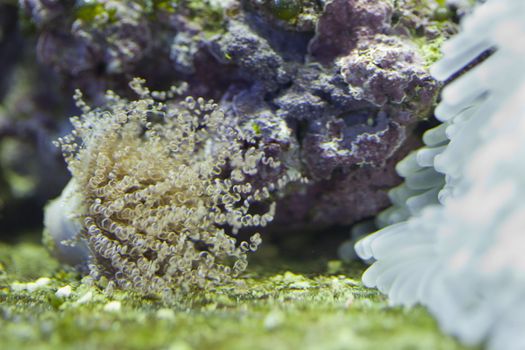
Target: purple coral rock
[345,198]
[89,51]
[64,53]
[42,11]
[340,145]
[344,22]
[252,54]
[333,94]
[300,104]
[380,70]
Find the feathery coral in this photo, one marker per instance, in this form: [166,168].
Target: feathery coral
[159,187]
[460,251]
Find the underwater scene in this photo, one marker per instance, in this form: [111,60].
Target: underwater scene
[262,174]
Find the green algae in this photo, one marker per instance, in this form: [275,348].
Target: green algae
[286,9]
[25,262]
[314,305]
[210,18]
[430,50]
[202,13]
[89,12]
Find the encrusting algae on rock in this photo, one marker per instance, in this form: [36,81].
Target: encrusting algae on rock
[160,190]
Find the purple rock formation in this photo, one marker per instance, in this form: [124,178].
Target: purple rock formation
[384,69]
[252,54]
[332,91]
[345,22]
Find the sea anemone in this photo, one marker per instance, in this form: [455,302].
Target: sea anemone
[159,191]
[460,250]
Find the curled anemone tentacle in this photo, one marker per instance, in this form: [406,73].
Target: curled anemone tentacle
[160,190]
[462,257]
[406,259]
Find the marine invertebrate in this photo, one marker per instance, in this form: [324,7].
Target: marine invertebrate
[461,254]
[160,190]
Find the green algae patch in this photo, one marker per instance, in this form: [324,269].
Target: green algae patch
[429,23]
[278,305]
[206,14]
[286,9]
[25,262]
[89,12]
[430,50]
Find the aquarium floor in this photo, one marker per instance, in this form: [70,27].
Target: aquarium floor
[319,305]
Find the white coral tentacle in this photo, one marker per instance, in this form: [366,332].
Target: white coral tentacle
[463,257]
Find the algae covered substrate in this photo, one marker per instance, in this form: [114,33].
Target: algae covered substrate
[274,305]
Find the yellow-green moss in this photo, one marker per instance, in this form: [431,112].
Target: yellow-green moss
[210,18]
[90,11]
[25,262]
[285,9]
[271,307]
[430,50]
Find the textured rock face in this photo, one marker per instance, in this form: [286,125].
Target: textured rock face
[334,88]
[384,69]
[345,22]
[352,100]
